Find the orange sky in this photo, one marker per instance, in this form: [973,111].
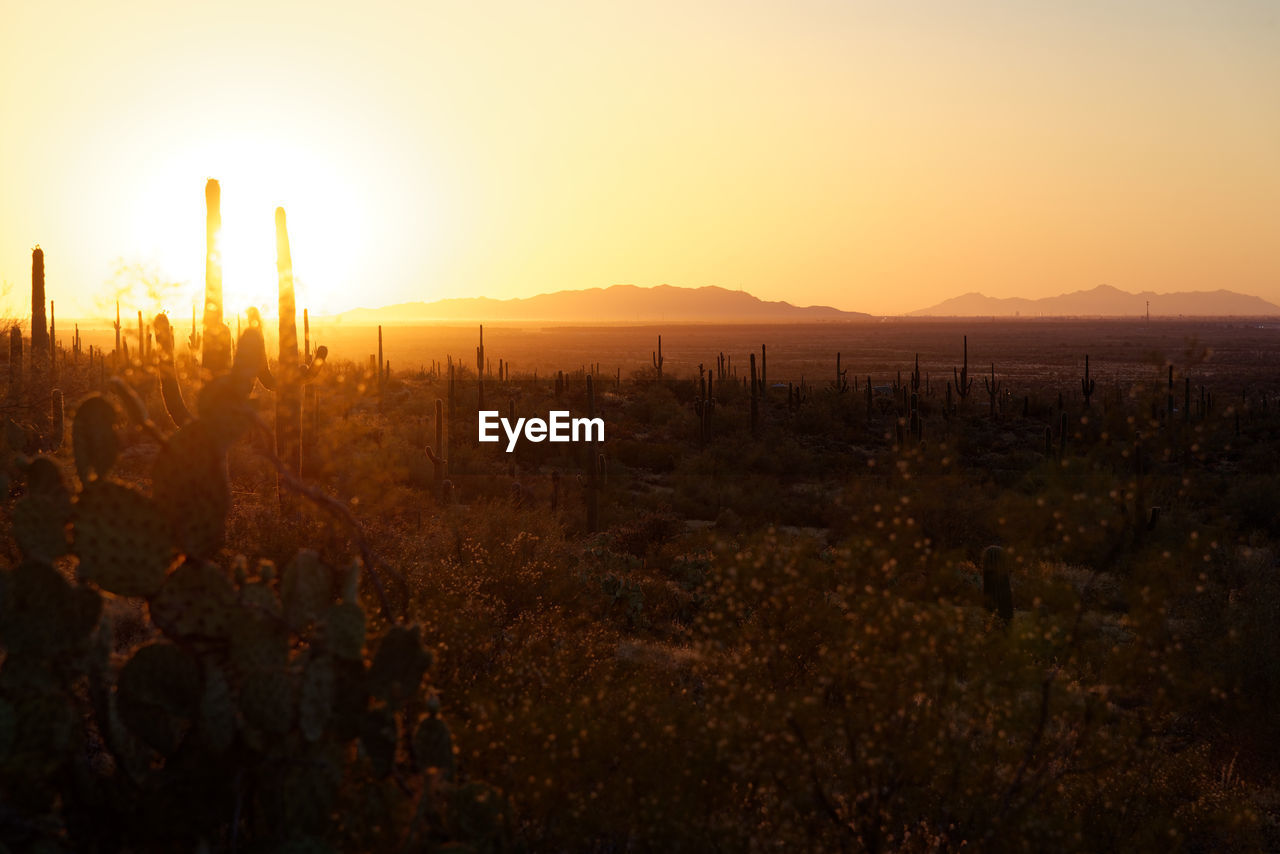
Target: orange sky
[876,157]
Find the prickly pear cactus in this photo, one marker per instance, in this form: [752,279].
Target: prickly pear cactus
[433,745]
[190,486]
[399,665]
[159,695]
[196,602]
[40,517]
[306,589]
[253,695]
[122,540]
[93,438]
[44,617]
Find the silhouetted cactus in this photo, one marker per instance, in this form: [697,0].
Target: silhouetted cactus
[992,386]
[480,370]
[170,389]
[755,405]
[292,374]
[962,382]
[657,358]
[261,682]
[40,349]
[216,357]
[1087,385]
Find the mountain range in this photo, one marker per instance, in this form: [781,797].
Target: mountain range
[616,304]
[1106,301]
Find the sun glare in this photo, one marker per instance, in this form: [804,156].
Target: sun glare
[326,214]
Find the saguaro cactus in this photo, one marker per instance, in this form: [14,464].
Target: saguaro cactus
[993,389]
[480,370]
[288,385]
[440,456]
[1086,384]
[39,323]
[216,355]
[170,390]
[657,358]
[291,374]
[963,383]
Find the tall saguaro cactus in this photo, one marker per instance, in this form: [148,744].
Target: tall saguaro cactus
[216,354]
[39,324]
[288,385]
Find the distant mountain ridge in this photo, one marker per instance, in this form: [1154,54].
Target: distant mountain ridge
[615,304]
[1106,301]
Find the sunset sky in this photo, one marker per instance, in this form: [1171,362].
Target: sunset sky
[877,157]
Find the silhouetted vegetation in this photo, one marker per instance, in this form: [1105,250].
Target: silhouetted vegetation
[869,612]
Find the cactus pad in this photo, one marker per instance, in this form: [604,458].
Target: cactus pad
[378,738]
[344,631]
[93,438]
[40,526]
[260,598]
[224,409]
[266,700]
[196,601]
[315,702]
[122,540]
[159,694]
[190,485]
[217,723]
[40,517]
[42,615]
[399,665]
[433,746]
[258,644]
[306,589]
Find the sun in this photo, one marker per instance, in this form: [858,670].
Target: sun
[257,173]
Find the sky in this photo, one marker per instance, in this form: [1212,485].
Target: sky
[871,156]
